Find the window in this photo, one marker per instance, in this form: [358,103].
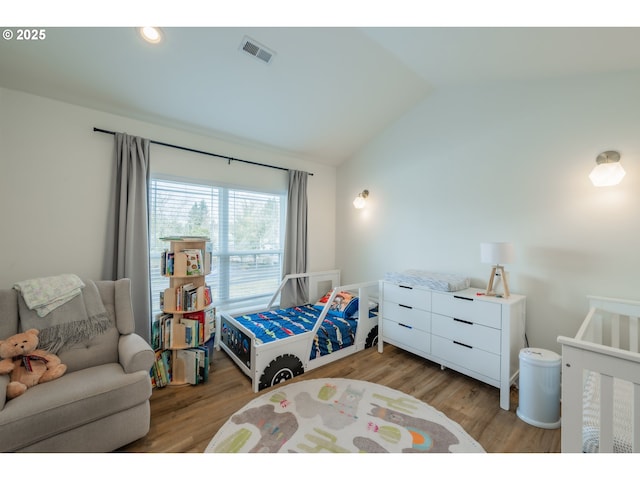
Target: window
[246,229]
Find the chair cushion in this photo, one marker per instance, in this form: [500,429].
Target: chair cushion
[72,400]
[92,352]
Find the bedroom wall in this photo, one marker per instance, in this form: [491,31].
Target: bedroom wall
[505,162]
[56,173]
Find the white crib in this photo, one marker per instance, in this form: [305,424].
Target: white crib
[601,380]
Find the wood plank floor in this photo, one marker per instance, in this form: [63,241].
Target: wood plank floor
[184,419]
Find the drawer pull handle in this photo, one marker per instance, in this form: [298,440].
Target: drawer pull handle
[405,326]
[406,286]
[463,298]
[462,321]
[462,344]
[405,306]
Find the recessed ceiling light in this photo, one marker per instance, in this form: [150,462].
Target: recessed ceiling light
[151,34]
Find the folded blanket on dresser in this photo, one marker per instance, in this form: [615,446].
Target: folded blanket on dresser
[445,282]
[80,318]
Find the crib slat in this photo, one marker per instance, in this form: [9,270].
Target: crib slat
[572,406]
[633,334]
[635,418]
[597,328]
[615,330]
[606,414]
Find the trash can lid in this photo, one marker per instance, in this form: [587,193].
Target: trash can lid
[539,356]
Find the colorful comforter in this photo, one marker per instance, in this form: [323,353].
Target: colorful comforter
[334,333]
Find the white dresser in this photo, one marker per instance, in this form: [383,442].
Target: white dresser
[466,331]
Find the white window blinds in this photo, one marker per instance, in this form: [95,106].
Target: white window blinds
[246,229]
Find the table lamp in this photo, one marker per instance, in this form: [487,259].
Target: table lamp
[497,254]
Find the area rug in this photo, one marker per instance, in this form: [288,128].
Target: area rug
[340,415]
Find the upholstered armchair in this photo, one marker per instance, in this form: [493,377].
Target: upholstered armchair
[102,401]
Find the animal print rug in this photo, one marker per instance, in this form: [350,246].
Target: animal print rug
[340,415]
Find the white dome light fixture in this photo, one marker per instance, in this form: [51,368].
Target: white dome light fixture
[151,34]
[361,200]
[608,171]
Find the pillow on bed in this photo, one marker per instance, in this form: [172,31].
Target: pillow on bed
[344,304]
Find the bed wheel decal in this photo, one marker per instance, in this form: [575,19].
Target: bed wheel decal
[372,338]
[284,367]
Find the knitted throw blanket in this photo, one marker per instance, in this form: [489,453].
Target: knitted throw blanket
[78,319]
[45,294]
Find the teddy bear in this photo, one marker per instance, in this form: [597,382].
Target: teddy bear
[26,364]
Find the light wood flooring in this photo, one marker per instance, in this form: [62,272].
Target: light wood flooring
[184,419]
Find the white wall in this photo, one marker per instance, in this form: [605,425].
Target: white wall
[507,162]
[504,163]
[55,175]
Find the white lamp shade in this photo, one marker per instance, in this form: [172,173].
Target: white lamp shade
[497,253]
[607,174]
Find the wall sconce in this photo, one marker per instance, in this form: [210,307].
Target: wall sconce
[361,200]
[496,254]
[608,171]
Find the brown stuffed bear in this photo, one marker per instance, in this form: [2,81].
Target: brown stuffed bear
[27,365]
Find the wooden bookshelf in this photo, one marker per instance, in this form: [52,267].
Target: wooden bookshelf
[188,319]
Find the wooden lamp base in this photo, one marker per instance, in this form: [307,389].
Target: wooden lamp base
[497,270]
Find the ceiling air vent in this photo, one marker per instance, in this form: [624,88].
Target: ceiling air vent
[256,50]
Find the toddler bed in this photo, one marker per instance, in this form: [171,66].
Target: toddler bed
[277,344]
[601,380]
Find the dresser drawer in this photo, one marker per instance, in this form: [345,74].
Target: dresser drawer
[474,359]
[409,316]
[406,337]
[409,296]
[468,308]
[469,333]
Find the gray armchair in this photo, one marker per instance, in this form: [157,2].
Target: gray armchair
[100,404]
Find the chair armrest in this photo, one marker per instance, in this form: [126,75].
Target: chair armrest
[135,353]
[4,381]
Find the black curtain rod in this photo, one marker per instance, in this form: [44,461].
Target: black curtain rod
[229,159]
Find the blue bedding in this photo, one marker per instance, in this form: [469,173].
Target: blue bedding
[334,333]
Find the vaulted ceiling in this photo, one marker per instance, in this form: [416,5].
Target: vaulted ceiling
[325,91]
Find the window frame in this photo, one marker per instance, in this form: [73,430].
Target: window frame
[223,254]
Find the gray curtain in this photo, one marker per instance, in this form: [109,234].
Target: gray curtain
[295,242]
[128,230]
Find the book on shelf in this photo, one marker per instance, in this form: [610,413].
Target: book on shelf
[209,345]
[195,261]
[166,365]
[207,320]
[185,298]
[159,371]
[192,332]
[165,326]
[189,359]
[193,365]
[154,376]
[203,364]
[188,262]
[208,298]
[155,332]
[193,329]
[166,263]
[196,365]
